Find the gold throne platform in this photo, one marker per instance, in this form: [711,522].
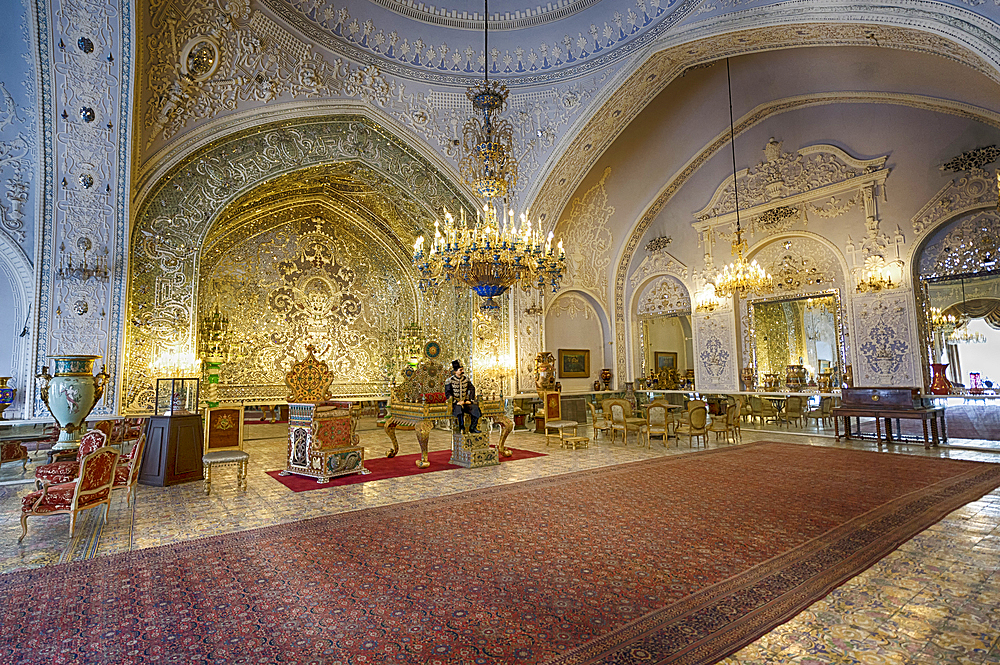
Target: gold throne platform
[419,401]
[322,441]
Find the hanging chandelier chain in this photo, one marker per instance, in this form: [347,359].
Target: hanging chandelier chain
[732,146]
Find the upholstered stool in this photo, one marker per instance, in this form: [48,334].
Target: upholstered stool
[225,458]
[574,442]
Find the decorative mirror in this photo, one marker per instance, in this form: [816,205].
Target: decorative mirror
[797,341]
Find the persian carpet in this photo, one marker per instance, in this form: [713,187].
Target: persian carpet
[681,559]
[388,467]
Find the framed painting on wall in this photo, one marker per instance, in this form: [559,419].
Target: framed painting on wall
[574,363]
[664,360]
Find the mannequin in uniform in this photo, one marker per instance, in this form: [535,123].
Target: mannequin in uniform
[463,394]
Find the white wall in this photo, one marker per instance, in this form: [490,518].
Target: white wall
[571,322]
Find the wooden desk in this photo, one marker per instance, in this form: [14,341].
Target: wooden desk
[888,413]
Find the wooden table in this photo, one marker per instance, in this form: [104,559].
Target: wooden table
[888,413]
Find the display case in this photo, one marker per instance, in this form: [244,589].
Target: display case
[177,397]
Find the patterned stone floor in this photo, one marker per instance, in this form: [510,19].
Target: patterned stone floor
[935,600]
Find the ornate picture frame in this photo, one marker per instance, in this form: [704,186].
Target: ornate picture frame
[574,363]
[664,360]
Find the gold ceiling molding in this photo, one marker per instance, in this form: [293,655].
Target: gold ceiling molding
[754,117]
[652,76]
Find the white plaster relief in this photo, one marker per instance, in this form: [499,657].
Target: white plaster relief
[715,360]
[664,295]
[885,348]
[586,232]
[657,263]
[972,191]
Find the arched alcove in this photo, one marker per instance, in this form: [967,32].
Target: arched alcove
[575,321]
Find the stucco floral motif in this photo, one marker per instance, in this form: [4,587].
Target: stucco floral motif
[884,332]
[587,236]
[572,306]
[800,264]
[664,295]
[715,347]
[973,191]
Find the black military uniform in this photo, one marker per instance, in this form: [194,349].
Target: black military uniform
[460,389]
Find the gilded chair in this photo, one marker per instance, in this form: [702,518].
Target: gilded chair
[64,472]
[690,406]
[621,413]
[746,413]
[658,422]
[793,411]
[696,425]
[762,410]
[600,424]
[735,420]
[127,470]
[822,413]
[51,433]
[91,489]
[722,424]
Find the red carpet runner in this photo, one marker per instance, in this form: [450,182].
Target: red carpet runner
[388,467]
[675,560]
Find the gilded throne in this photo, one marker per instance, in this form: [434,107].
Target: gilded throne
[322,441]
[419,401]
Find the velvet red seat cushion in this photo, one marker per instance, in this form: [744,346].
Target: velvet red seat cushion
[59,497]
[435,398]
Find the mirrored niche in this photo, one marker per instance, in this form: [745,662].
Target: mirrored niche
[963,321]
[667,351]
[797,341]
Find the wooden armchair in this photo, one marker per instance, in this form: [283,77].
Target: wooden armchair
[64,472]
[14,451]
[600,423]
[91,489]
[723,424]
[696,425]
[621,414]
[793,411]
[127,470]
[658,421]
[823,413]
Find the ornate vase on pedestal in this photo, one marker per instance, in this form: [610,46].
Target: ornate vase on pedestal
[71,395]
[6,394]
[749,374]
[545,371]
[606,378]
[939,384]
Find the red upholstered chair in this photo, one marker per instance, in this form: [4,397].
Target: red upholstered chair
[51,437]
[127,471]
[14,451]
[92,488]
[64,472]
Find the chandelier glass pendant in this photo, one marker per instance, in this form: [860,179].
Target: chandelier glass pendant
[740,278]
[496,253]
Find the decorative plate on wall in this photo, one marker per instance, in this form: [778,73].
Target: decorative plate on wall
[432,350]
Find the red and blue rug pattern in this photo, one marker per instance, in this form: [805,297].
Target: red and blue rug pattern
[381,468]
[682,559]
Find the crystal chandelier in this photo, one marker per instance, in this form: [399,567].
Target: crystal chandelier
[963,335]
[946,324]
[489,259]
[740,278]
[495,254]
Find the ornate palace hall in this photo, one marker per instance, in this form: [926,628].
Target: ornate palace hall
[351,331]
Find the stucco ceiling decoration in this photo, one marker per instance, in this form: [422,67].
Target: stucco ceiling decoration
[531,44]
[795,181]
[577,157]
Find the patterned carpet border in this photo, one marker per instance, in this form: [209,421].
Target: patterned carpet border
[784,585]
[700,628]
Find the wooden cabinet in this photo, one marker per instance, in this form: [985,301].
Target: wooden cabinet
[173,450]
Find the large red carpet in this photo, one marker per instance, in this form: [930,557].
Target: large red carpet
[388,467]
[680,559]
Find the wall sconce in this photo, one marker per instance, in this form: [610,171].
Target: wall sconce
[96,268]
[875,276]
